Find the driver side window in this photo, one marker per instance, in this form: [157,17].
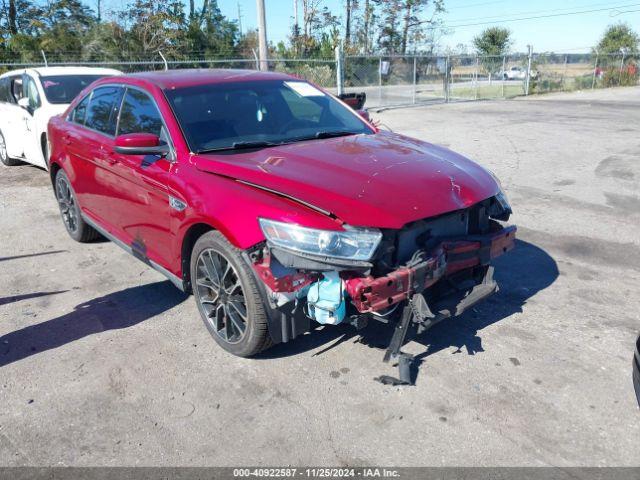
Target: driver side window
[139,115]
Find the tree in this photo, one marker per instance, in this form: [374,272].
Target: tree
[319,33]
[618,37]
[493,43]
[155,26]
[402,23]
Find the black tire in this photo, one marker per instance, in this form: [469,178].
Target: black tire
[222,309]
[4,156]
[77,228]
[45,150]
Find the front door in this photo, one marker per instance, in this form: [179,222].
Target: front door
[145,221]
[31,117]
[17,125]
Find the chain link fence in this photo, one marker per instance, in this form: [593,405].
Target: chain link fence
[391,81]
[319,71]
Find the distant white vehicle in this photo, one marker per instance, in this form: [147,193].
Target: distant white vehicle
[28,99]
[516,73]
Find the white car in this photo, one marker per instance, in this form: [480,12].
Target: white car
[516,73]
[28,99]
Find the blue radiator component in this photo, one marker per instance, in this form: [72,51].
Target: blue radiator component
[326,300]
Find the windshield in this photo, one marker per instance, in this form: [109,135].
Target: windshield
[258,114]
[62,89]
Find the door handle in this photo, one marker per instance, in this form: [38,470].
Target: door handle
[66,140]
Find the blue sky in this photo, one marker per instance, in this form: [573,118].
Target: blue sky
[561,33]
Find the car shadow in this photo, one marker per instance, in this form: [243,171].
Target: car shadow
[520,274]
[27,296]
[117,310]
[30,255]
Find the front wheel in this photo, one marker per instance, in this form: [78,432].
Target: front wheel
[227,296]
[77,228]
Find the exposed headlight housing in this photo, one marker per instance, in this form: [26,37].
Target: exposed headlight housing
[502,199]
[358,244]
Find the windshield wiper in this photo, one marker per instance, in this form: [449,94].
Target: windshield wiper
[333,133]
[323,134]
[241,146]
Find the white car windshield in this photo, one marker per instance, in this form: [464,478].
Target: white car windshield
[62,89]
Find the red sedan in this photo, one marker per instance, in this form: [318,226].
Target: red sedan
[276,204]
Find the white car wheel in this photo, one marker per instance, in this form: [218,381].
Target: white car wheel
[4,155]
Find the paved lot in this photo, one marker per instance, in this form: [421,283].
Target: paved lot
[102,362]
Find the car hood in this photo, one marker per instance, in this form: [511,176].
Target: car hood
[380,180]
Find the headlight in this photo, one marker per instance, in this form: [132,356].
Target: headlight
[502,199]
[350,244]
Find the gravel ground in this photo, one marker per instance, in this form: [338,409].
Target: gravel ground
[103,362]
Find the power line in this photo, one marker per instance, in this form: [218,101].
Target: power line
[534,12]
[541,16]
[471,5]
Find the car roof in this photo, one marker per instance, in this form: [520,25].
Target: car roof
[62,71]
[170,79]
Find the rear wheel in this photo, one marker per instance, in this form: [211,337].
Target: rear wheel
[77,228]
[4,155]
[227,296]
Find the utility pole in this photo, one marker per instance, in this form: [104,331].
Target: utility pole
[239,18]
[295,15]
[262,35]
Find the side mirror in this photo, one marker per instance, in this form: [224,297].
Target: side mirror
[23,102]
[365,115]
[140,144]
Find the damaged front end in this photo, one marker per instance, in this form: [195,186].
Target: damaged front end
[427,271]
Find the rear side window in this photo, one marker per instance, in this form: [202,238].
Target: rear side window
[5,91]
[139,114]
[102,112]
[79,114]
[16,88]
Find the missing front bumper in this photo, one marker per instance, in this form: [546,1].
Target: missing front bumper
[370,294]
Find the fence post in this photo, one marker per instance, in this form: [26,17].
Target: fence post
[447,67]
[415,78]
[595,69]
[564,73]
[339,69]
[164,60]
[504,69]
[380,79]
[475,80]
[621,66]
[528,79]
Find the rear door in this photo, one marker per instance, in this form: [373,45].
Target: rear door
[142,181]
[90,140]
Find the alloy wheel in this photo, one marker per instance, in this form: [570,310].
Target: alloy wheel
[220,295]
[67,204]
